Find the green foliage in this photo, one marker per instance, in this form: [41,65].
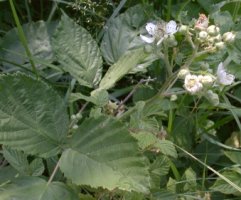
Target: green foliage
[158,119]
[38,36]
[121,33]
[103,154]
[33,116]
[25,188]
[77,52]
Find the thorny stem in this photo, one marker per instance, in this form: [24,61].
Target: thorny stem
[54,172]
[166,60]
[132,92]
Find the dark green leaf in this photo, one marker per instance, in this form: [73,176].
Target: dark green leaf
[77,52]
[33,117]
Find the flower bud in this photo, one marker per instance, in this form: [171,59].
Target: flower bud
[173,97]
[218,38]
[206,80]
[228,37]
[213,30]
[220,45]
[73,117]
[204,65]
[78,116]
[212,97]
[171,41]
[183,29]
[203,35]
[75,126]
[182,73]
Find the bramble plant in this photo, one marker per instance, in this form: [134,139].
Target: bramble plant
[147,108]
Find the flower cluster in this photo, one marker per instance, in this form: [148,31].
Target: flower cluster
[210,36]
[204,84]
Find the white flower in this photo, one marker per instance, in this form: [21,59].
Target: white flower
[192,84]
[206,79]
[159,31]
[223,77]
[203,35]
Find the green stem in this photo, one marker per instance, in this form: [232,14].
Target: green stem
[175,171]
[166,60]
[54,172]
[169,8]
[22,37]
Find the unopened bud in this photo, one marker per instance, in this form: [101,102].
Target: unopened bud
[203,35]
[75,126]
[171,41]
[173,97]
[183,29]
[220,45]
[78,116]
[213,30]
[182,73]
[73,117]
[212,97]
[228,37]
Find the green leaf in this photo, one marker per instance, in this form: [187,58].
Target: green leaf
[77,52]
[38,37]
[17,159]
[160,167]
[98,97]
[222,186]
[29,188]
[7,173]
[122,67]
[223,20]
[122,34]
[167,148]
[103,154]
[183,131]
[33,117]
[234,156]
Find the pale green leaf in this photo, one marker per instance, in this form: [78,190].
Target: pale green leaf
[7,173]
[167,148]
[224,187]
[122,67]
[33,188]
[77,52]
[33,117]
[103,154]
[145,139]
[122,33]
[38,37]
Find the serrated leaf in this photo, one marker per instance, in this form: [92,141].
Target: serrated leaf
[17,159]
[224,187]
[36,167]
[167,148]
[29,188]
[103,154]
[145,139]
[38,37]
[33,117]
[77,52]
[122,33]
[122,67]
[160,167]
[7,173]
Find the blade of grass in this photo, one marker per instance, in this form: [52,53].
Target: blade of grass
[51,14]
[28,11]
[22,37]
[211,169]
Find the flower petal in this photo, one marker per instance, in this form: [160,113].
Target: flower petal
[151,28]
[147,39]
[171,27]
